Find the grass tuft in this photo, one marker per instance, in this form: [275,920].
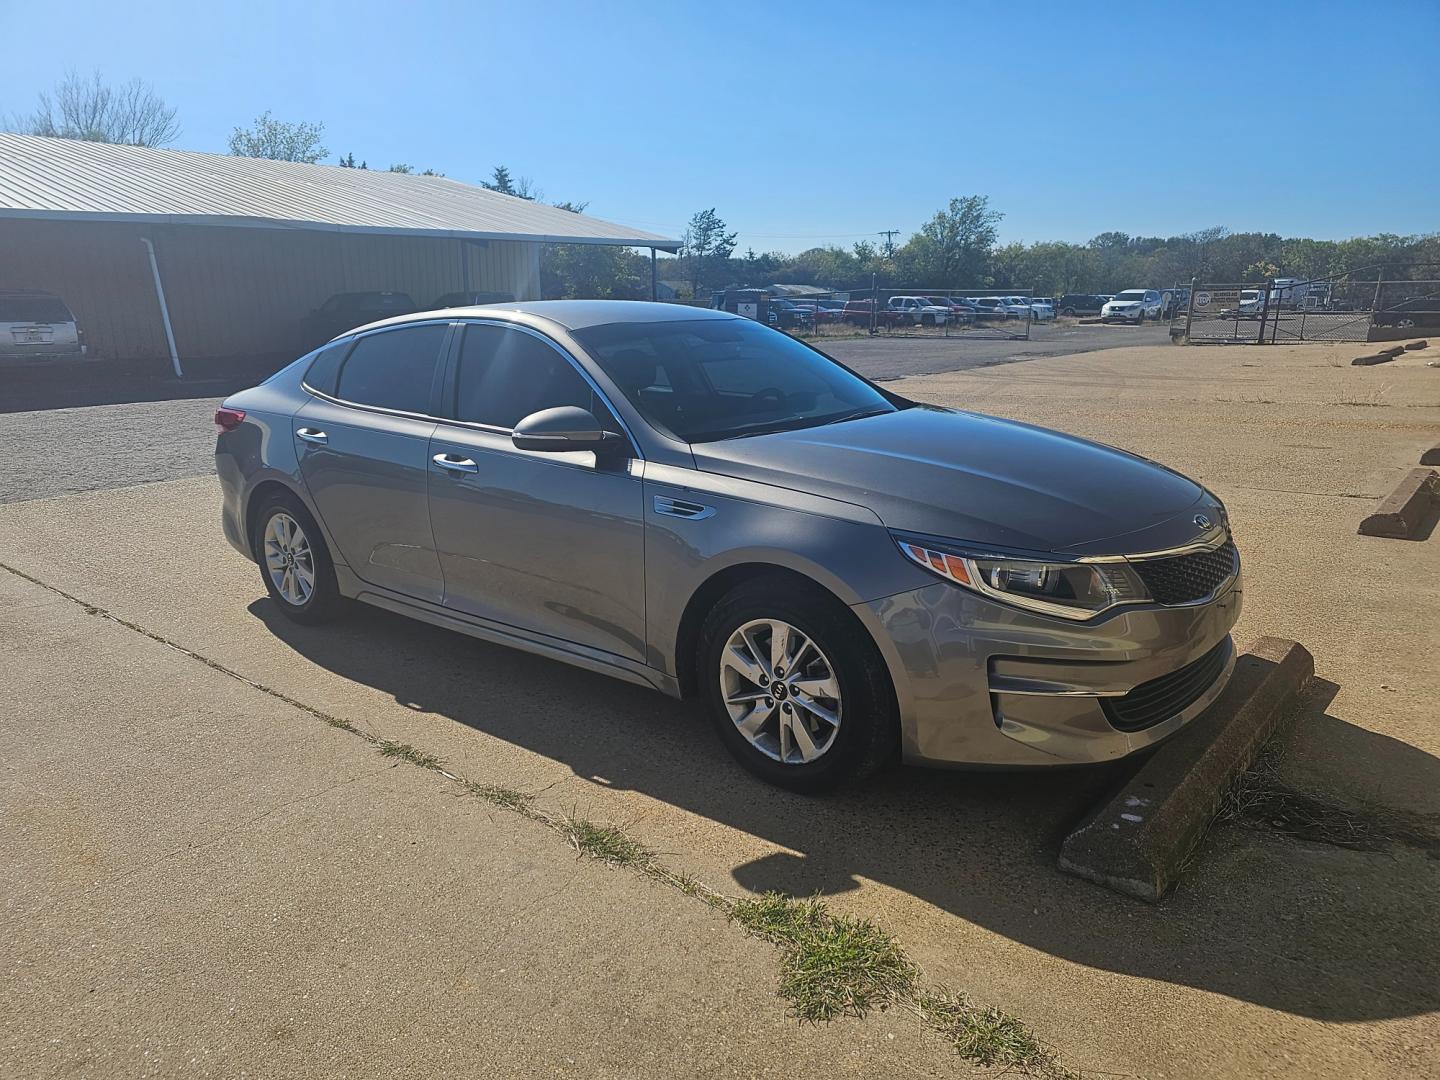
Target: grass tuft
[607,844]
[509,798]
[986,1035]
[405,752]
[831,965]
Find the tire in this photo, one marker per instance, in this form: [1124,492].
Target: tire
[844,656]
[927,320]
[1069,312]
[322,602]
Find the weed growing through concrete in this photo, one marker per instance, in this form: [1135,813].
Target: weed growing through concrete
[830,965]
[406,752]
[839,965]
[605,843]
[509,798]
[984,1034]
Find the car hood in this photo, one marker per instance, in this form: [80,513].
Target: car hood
[978,479]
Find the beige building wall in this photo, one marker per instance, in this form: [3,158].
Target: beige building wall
[236,292]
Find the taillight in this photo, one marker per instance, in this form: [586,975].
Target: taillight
[229,419]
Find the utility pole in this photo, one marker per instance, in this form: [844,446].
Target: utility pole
[889,235]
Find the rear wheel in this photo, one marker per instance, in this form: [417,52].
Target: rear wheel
[928,320]
[797,690]
[294,561]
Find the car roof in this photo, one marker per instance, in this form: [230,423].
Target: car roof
[567,314]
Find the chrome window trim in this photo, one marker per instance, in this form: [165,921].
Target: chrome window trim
[381,409]
[496,429]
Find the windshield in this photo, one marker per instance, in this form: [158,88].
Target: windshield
[711,379]
[1249,294]
[1131,295]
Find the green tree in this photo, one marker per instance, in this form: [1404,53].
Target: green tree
[704,246]
[279,140]
[952,249]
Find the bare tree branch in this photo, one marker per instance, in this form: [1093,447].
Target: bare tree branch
[90,108]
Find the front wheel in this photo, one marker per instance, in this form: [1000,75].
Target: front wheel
[797,690]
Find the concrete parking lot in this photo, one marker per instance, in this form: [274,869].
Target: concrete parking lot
[201,867]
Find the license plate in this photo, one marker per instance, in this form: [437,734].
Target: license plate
[29,337]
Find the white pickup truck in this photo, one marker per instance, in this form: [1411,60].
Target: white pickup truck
[918,311]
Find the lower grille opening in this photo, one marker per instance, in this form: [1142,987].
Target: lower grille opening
[1159,699]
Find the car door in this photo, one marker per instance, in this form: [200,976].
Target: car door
[363,443]
[552,543]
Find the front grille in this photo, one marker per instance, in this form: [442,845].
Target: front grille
[1184,579]
[1169,695]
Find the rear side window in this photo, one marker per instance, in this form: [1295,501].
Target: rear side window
[325,368]
[34,309]
[505,375]
[393,369]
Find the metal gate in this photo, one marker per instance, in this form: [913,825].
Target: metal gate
[1354,306]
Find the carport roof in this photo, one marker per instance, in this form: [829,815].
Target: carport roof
[68,179]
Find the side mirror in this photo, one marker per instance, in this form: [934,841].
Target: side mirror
[565,428]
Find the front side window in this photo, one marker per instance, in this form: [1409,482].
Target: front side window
[393,369]
[706,379]
[506,374]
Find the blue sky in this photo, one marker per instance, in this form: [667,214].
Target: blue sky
[817,123]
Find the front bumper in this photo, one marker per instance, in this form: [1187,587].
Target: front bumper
[983,683]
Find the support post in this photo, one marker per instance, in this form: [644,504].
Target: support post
[164,308]
[1190,308]
[654,286]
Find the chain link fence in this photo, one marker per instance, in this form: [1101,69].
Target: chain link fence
[1356,306]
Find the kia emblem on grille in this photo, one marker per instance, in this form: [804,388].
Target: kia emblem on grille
[1202,522]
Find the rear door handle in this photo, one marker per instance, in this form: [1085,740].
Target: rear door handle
[311,435]
[454,463]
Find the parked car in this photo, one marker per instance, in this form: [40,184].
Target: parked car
[959,312]
[471,299]
[345,311]
[1249,305]
[817,312]
[782,554]
[37,326]
[1132,305]
[1081,304]
[787,315]
[918,311]
[1040,310]
[857,313]
[992,309]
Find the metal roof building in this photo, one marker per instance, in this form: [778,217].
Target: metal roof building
[167,253]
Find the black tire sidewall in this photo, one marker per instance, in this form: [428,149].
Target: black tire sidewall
[324,600]
[869,726]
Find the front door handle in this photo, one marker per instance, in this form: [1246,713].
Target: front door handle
[311,435]
[454,463]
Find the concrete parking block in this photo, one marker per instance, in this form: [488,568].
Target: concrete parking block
[1431,456]
[1137,841]
[1415,346]
[1405,510]
[1384,356]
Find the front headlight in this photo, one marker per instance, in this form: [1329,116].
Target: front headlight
[1068,590]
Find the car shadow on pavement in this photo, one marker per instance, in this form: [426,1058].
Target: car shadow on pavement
[1301,927]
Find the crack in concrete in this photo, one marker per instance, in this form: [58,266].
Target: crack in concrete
[233,829]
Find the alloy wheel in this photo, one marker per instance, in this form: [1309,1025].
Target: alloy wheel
[289,559]
[781,691]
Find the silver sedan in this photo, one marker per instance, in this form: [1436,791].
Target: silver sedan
[692,501]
